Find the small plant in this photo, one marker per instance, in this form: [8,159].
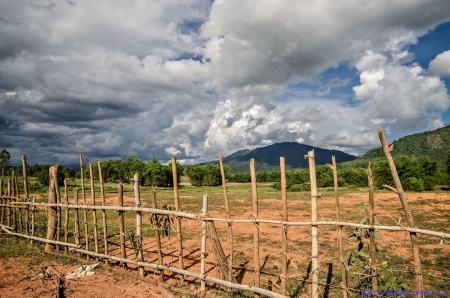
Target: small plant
[164,221]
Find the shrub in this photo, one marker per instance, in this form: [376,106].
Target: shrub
[413,184]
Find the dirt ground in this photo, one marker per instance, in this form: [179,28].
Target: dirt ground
[431,210]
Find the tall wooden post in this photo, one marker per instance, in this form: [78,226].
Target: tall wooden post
[121,224]
[8,199]
[373,253]
[33,211]
[177,208]
[227,209]
[314,229]
[85,213]
[137,198]
[94,211]
[157,235]
[66,215]
[2,214]
[256,227]
[340,244]
[52,199]
[409,219]
[77,219]
[25,190]
[102,192]
[284,228]
[203,256]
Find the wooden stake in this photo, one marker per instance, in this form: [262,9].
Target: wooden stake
[66,217]
[409,219]
[8,200]
[177,208]
[314,229]
[102,191]
[340,244]
[137,198]
[371,215]
[157,235]
[94,211]
[52,198]
[77,219]
[2,214]
[33,210]
[122,225]
[283,227]
[85,213]
[203,256]
[256,228]
[25,189]
[227,209]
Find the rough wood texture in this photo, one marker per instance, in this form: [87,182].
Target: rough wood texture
[256,228]
[77,218]
[227,210]
[66,217]
[94,211]
[121,224]
[371,216]
[283,227]
[25,190]
[52,198]
[314,229]
[203,254]
[339,235]
[137,198]
[178,220]
[83,195]
[409,219]
[102,193]
[157,235]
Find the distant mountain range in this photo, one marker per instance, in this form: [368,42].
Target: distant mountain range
[268,158]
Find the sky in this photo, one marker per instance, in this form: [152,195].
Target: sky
[200,78]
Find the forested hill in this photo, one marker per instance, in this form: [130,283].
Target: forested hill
[268,158]
[433,144]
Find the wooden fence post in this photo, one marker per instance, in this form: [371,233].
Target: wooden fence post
[25,190]
[121,224]
[137,198]
[227,209]
[314,229]
[256,227]
[33,211]
[77,219]
[94,211]
[52,211]
[85,213]
[283,227]
[203,256]
[371,216]
[9,209]
[409,219]
[102,192]
[157,235]
[340,244]
[3,201]
[66,217]
[177,208]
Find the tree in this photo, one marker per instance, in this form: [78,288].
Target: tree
[5,157]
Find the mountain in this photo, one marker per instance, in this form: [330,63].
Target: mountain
[268,158]
[433,144]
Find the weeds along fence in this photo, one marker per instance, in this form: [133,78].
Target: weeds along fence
[209,251]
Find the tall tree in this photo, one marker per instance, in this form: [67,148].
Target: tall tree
[5,157]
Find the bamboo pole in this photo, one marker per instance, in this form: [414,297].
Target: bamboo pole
[2,200]
[177,208]
[121,224]
[137,198]
[33,211]
[94,211]
[371,216]
[314,229]
[157,235]
[203,256]
[283,227]
[77,219]
[85,213]
[102,192]
[13,210]
[25,189]
[19,210]
[339,235]
[52,211]
[256,227]
[8,200]
[66,217]
[409,219]
[227,209]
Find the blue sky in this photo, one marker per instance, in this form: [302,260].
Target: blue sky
[200,78]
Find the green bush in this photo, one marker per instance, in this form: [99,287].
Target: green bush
[413,184]
[300,187]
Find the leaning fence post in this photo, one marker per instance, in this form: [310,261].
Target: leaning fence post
[85,212]
[137,199]
[373,253]
[203,257]
[314,229]
[227,209]
[157,235]
[177,208]
[94,211]
[340,244]
[52,211]
[102,192]
[256,227]
[25,190]
[121,224]
[409,219]
[283,227]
